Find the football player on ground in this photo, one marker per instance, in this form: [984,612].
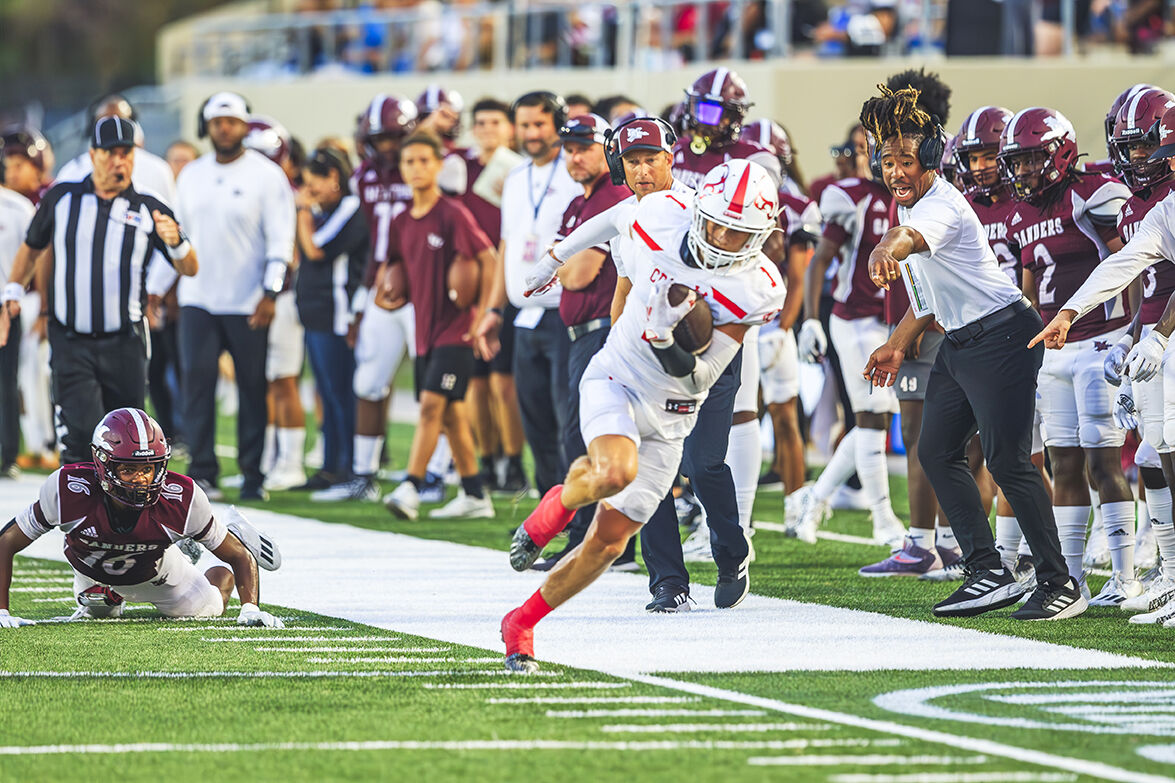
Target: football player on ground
[1063,225]
[121,514]
[640,395]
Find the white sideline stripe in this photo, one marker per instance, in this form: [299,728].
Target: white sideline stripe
[63,582]
[861,760]
[989,747]
[653,713]
[958,777]
[291,674]
[363,649]
[65,599]
[404,659]
[284,639]
[54,589]
[254,629]
[594,700]
[685,728]
[228,747]
[525,685]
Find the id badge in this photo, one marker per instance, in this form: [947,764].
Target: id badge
[530,249]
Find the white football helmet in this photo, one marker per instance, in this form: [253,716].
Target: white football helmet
[741,196]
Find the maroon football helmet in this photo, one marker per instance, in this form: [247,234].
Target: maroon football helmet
[130,436]
[386,116]
[269,137]
[1138,123]
[676,117]
[949,167]
[716,105]
[433,98]
[27,141]
[772,136]
[1116,106]
[1042,141]
[982,130]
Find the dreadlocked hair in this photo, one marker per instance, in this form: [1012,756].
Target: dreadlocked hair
[895,114]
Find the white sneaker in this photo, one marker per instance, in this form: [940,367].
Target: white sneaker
[284,477]
[235,481]
[791,508]
[403,501]
[1146,549]
[1157,594]
[1083,583]
[464,507]
[811,514]
[1118,589]
[1160,615]
[1097,548]
[888,529]
[847,499]
[358,488]
[696,548]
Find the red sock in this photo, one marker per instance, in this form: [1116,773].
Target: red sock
[535,609]
[549,517]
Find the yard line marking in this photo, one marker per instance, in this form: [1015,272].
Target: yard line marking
[653,713]
[403,659]
[865,760]
[283,675]
[966,777]
[65,579]
[54,589]
[254,629]
[65,599]
[359,649]
[1110,697]
[990,747]
[594,700]
[525,685]
[284,639]
[686,728]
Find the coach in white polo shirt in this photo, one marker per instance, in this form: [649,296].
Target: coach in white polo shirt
[238,210]
[985,374]
[534,198]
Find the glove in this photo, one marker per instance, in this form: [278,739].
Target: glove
[813,343]
[8,621]
[1146,358]
[662,317]
[251,615]
[1125,414]
[542,276]
[1116,360]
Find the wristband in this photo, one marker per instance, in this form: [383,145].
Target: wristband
[274,278]
[13,292]
[180,251]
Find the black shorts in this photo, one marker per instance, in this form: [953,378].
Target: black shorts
[445,370]
[503,362]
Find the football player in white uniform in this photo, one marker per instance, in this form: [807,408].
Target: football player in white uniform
[641,393]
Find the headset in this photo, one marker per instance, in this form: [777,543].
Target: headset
[202,124]
[930,150]
[551,102]
[612,146]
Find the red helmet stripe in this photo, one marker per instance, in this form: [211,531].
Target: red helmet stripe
[740,193]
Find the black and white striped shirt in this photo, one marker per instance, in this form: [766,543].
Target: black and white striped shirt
[100,252]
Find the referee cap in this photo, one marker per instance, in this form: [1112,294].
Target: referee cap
[226,104]
[111,132]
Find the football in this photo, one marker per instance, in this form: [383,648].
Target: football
[464,281]
[393,291]
[693,332]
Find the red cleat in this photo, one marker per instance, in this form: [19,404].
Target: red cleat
[519,641]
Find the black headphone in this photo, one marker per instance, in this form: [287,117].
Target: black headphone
[202,124]
[612,146]
[930,150]
[551,102]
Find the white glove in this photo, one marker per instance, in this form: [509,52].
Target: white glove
[8,621]
[813,343]
[251,615]
[1125,414]
[663,317]
[1146,358]
[542,276]
[1116,360]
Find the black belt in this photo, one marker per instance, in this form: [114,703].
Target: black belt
[71,334]
[972,331]
[587,327]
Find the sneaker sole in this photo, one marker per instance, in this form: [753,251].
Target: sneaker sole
[972,611]
[882,574]
[400,512]
[1072,610]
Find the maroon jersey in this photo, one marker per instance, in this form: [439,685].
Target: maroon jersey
[488,217]
[1158,280]
[799,217]
[594,300]
[690,168]
[100,547]
[427,247]
[993,215]
[1105,166]
[1061,244]
[856,216]
[816,187]
[383,195]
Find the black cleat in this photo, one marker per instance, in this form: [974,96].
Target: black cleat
[523,550]
[521,663]
[668,599]
[982,591]
[1053,603]
[732,588]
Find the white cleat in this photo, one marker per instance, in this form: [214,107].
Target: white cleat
[403,501]
[888,529]
[812,513]
[1157,594]
[1117,590]
[696,548]
[284,477]
[464,507]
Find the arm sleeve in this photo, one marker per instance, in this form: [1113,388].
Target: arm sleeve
[40,232]
[200,524]
[40,517]
[280,219]
[1150,244]
[710,364]
[595,231]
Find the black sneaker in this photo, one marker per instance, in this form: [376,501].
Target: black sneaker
[770,481]
[1049,602]
[732,588]
[668,599]
[513,483]
[523,550]
[254,492]
[210,489]
[9,470]
[982,590]
[320,480]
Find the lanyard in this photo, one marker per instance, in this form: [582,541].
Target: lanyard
[546,190]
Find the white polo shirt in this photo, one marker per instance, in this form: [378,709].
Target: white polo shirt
[16,212]
[534,199]
[959,280]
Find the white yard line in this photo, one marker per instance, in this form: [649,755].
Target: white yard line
[962,777]
[275,675]
[653,713]
[65,599]
[403,659]
[865,760]
[687,728]
[588,685]
[290,639]
[262,631]
[358,649]
[595,700]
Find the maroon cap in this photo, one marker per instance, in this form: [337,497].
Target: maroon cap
[584,129]
[644,134]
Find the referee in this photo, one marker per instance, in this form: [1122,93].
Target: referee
[103,233]
[984,375]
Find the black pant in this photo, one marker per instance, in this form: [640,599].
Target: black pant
[582,351]
[91,376]
[540,377]
[989,384]
[164,359]
[10,395]
[704,461]
[202,337]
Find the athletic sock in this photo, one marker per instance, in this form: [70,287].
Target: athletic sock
[945,538]
[535,609]
[872,469]
[1118,517]
[1007,536]
[472,486]
[487,466]
[842,465]
[366,459]
[291,446]
[744,456]
[1158,505]
[1071,523]
[269,451]
[1024,549]
[415,481]
[1095,501]
[549,517]
[442,455]
[922,538]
